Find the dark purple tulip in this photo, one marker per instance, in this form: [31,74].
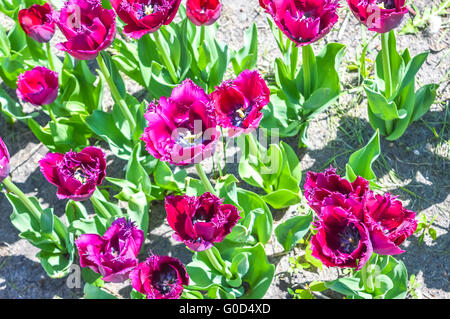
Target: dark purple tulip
[38,86]
[341,240]
[75,174]
[303,21]
[114,255]
[203,12]
[238,103]
[160,277]
[182,129]
[88,27]
[144,16]
[379,15]
[319,187]
[200,221]
[37,22]
[4,161]
[389,223]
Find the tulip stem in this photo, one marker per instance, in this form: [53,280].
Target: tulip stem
[201,173]
[49,56]
[12,188]
[100,208]
[115,93]
[217,265]
[50,112]
[166,59]
[386,73]
[306,50]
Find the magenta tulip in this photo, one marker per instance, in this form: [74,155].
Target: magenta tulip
[144,16]
[182,129]
[199,222]
[88,27]
[37,22]
[38,86]
[160,277]
[379,15]
[319,187]
[341,240]
[75,174]
[203,12]
[114,255]
[389,223]
[238,103]
[303,21]
[4,161]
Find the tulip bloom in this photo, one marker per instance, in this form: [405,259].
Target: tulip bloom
[38,86]
[389,223]
[303,21]
[160,277]
[37,22]
[379,15]
[200,221]
[115,254]
[75,174]
[203,12]
[4,161]
[326,188]
[144,16]
[88,27]
[181,129]
[341,240]
[238,103]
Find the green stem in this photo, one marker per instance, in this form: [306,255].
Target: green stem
[306,71]
[166,58]
[217,265]
[294,60]
[387,73]
[50,112]
[224,151]
[49,56]
[12,188]
[201,173]
[115,93]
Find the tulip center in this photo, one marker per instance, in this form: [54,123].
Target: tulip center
[349,239]
[165,279]
[386,4]
[239,115]
[188,139]
[80,175]
[200,216]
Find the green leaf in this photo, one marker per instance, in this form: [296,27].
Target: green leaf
[360,162]
[282,198]
[292,230]
[382,108]
[425,97]
[93,292]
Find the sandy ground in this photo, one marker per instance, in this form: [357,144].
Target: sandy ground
[415,167]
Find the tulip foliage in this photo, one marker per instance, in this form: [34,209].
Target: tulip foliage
[201,95]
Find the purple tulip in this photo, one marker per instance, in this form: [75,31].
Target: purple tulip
[200,221]
[303,21]
[144,16]
[37,22]
[75,174]
[160,277]
[379,15]
[181,129]
[88,27]
[341,240]
[326,188]
[4,161]
[203,12]
[114,255]
[389,223]
[38,86]
[238,103]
